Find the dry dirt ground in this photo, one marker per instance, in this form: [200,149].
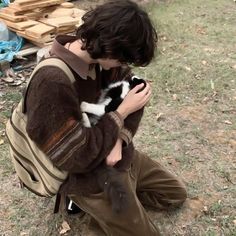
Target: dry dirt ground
[189,126]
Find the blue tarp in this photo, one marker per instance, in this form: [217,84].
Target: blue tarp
[4,3]
[10,44]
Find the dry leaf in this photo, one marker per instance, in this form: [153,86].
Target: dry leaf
[17,83]
[212,85]
[205,99]
[214,94]
[200,30]
[159,116]
[175,97]
[1,141]
[65,227]
[234,221]
[194,206]
[228,122]
[232,143]
[188,68]
[8,79]
[204,62]
[209,49]
[10,73]
[205,209]
[23,233]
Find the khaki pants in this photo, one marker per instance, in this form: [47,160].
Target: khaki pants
[149,185]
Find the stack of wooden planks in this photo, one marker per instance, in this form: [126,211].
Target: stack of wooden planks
[40,21]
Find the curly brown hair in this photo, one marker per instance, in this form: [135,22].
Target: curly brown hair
[119,29]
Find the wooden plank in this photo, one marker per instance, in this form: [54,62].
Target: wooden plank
[40,30]
[60,12]
[78,12]
[21,2]
[20,25]
[43,39]
[66,27]
[12,17]
[60,21]
[33,16]
[67,5]
[17,12]
[41,45]
[12,29]
[28,2]
[12,11]
[37,4]
[66,30]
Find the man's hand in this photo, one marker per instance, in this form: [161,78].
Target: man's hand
[115,154]
[134,100]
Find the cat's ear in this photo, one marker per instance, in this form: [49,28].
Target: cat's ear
[135,77]
[135,80]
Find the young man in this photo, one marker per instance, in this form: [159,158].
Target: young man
[113,35]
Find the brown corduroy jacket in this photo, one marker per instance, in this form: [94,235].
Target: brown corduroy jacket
[54,119]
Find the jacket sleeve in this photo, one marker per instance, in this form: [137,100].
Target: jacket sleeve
[54,123]
[131,123]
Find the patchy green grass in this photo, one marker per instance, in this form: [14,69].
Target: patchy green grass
[190,122]
[189,126]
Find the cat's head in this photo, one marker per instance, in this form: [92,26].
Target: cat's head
[135,80]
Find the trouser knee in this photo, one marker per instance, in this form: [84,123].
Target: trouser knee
[180,195]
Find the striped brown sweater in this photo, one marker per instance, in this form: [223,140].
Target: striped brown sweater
[54,119]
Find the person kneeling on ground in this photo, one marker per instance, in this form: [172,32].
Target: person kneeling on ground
[112,36]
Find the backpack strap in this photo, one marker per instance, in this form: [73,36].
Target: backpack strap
[57,203]
[51,61]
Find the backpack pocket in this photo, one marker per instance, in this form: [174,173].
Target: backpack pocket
[32,166]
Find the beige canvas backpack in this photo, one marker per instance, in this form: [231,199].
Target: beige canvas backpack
[33,167]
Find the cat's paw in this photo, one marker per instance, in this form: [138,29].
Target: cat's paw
[84,106]
[86,121]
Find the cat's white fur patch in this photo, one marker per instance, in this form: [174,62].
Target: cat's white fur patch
[125,88]
[86,121]
[97,109]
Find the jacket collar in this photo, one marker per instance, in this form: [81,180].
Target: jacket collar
[76,63]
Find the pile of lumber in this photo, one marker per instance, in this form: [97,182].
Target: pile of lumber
[39,21]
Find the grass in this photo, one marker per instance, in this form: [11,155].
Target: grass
[189,125]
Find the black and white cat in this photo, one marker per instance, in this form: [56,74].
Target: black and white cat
[107,176]
[110,99]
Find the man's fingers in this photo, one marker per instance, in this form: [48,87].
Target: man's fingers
[137,88]
[144,93]
[147,97]
[145,90]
